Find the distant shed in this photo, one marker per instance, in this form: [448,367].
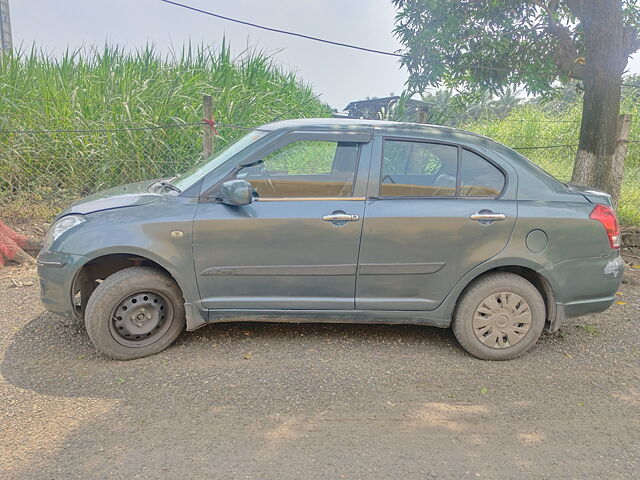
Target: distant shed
[375,108]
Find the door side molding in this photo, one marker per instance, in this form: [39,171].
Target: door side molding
[277,270]
[400,268]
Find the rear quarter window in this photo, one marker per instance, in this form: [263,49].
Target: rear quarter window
[478,177]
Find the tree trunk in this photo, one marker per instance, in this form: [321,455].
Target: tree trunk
[603,37]
[14,247]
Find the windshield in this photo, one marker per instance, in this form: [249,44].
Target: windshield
[201,169]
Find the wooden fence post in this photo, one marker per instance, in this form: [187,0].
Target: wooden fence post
[207,133]
[619,155]
[422,114]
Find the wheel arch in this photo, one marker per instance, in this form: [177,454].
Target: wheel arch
[105,263]
[530,271]
[534,277]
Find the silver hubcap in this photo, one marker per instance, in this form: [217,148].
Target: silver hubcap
[140,319]
[502,320]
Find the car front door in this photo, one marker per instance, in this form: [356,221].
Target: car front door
[296,245]
[435,211]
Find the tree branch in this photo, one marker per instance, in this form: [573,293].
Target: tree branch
[549,9]
[630,42]
[566,55]
[576,7]
[502,34]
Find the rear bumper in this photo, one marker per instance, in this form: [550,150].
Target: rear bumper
[586,286]
[584,307]
[57,272]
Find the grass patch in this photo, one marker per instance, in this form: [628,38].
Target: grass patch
[590,329]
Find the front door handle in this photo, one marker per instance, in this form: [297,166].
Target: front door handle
[487,216]
[341,217]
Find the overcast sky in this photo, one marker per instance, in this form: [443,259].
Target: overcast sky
[340,75]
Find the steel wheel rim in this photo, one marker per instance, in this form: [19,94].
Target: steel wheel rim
[140,319]
[502,320]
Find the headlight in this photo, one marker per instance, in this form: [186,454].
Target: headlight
[59,227]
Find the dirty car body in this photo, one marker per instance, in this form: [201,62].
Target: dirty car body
[344,220]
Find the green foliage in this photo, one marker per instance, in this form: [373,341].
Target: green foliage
[302,158]
[110,89]
[505,102]
[396,110]
[454,109]
[450,42]
[536,124]
[487,45]
[445,107]
[562,97]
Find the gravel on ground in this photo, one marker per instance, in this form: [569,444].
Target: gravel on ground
[302,401]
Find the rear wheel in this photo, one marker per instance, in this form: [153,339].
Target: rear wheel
[135,312]
[499,317]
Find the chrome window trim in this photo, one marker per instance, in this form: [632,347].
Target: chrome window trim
[310,199]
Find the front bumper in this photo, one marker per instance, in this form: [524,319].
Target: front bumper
[57,272]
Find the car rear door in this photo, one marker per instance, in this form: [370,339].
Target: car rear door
[434,211]
[296,246]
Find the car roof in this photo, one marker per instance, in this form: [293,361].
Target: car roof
[364,126]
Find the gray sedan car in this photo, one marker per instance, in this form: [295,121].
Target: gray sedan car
[324,220]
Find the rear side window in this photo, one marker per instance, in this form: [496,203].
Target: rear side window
[479,178]
[423,169]
[418,169]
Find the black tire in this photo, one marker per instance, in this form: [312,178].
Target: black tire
[485,301]
[141,289]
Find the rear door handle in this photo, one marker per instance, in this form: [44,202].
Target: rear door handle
[484,216]
[341,217]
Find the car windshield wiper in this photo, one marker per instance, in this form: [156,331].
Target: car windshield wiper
[166,185]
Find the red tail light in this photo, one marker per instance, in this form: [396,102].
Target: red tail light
[607,217]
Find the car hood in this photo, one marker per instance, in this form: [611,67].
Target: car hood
[129,195]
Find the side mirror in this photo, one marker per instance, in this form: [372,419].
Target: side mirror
[236,192]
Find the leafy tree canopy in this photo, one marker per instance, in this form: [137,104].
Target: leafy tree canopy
[489,44]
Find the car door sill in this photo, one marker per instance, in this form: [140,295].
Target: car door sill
[409,317]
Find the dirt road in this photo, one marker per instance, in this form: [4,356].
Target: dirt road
[276,401]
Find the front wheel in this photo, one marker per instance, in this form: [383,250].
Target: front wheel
[499,317]
[136,312]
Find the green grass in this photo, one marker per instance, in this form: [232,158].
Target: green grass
[111,88]
[592,330]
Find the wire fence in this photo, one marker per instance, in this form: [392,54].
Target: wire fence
[558,161]
[45,170]
[42,171]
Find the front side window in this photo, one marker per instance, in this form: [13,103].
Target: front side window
[305,169]
[418,169]
[208,165]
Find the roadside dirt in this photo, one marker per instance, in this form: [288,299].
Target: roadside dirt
[282,401]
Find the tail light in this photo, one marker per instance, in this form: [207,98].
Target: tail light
[607,217]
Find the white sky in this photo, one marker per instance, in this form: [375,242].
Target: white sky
[340,74]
